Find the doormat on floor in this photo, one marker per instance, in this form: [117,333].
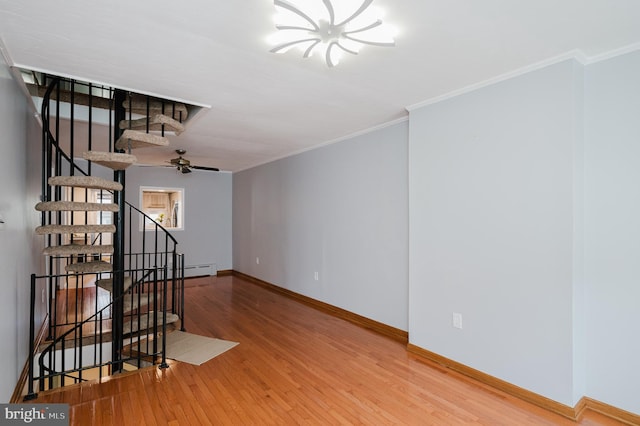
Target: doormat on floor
[194,349]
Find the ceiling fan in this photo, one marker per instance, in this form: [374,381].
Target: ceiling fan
[184,166]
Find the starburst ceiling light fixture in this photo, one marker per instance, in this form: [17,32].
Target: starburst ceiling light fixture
[320,26]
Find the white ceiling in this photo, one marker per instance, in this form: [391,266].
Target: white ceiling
[265,106]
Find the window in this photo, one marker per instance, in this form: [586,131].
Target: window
[164,206]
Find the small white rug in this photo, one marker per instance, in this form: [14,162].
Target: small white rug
[194,349]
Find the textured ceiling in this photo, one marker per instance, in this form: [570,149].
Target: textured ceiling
[265,106]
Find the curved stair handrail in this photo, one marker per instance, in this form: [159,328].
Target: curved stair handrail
[46,127]
[159,255]
[47,372]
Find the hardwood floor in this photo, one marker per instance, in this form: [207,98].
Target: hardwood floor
[294,365]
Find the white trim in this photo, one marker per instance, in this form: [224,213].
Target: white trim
[17,77]
[574,54]
[577,55]
[5,53]
[613,53]
[330,142]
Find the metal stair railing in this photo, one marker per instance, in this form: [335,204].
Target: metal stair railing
[77,351]
[158,251]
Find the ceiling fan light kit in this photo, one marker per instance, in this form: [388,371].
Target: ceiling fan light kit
[330,29]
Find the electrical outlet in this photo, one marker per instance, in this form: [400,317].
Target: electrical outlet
[316,276]
[257,260]
[457,320]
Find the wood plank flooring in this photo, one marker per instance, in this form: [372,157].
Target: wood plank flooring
[294,365]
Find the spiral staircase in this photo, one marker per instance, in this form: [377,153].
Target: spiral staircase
[112,291]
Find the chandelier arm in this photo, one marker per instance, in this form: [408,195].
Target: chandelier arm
[368,27]
[293,27]
[361,9]
[292,43]
[328,54]
[297,11]
[372,43]
[307,52]
[332,15]
[353,52]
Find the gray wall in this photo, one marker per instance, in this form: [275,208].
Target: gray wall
[206,237]
[612,164]
[524,216]
[19,247]
[492,228]
[340,211]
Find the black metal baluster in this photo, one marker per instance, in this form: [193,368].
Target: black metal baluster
[32,310]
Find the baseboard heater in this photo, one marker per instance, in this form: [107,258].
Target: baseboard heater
[199,270]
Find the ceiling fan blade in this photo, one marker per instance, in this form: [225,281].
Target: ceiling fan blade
[184,166]
[211,169]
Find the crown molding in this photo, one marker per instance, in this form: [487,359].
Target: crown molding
[613,53]
[329,142]
[577,55]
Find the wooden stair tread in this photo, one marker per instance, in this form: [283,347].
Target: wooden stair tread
[56,206]
[146,321]
[132,139]
[155,123]
[92,182]
[107,284]
[75,229]
[112,160]
[74,249]
[89,267]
